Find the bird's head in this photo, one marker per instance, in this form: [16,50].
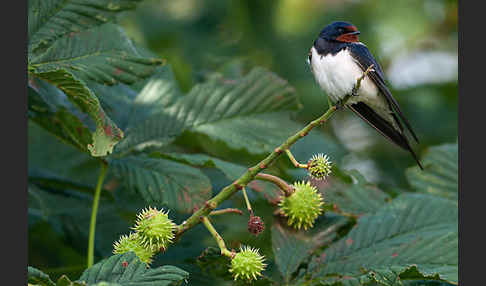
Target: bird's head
[340,32]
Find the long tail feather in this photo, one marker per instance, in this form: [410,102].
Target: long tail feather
[384,127]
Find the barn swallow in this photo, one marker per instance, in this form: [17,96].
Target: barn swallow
[337,59]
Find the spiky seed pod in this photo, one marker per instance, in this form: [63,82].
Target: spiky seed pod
[255,225]
[155,228]
[247,264]
[319,166]
[133,243]
[303,206]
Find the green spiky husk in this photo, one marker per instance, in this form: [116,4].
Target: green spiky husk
[319,166]
[247,264]
[132,242]
[302,207]
[155,229]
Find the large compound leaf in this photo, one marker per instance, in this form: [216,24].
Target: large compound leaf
[127,270]
[102,54]
[50,19]
[441,172]
[240,112]
[107,134]
[163,181]
[414,230]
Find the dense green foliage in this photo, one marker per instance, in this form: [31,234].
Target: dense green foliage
[179,98]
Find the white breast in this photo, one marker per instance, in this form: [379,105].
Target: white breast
[338,74]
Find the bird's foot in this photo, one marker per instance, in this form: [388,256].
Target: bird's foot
[339,104]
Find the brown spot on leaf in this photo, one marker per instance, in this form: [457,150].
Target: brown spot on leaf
[125,264]
[349,241]
[108,130]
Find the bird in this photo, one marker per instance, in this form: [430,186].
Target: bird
[337,59]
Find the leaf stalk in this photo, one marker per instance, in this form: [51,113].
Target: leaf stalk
[94,212]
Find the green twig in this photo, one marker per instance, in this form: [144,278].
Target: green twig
[217,237]
[251,173]
[94,211]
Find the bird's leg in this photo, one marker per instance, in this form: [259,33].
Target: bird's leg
[354,92]
[340,103]
[356,87]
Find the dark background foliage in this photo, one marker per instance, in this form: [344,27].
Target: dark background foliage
[416,43]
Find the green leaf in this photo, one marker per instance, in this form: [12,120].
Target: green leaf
[413,230]
[51,19]
[35,276]
[116,100]
[230,170]
[252,133]
[441,172]
[292,248]
[103,54]
[52,160]
[392,276]
[164,182]
[57,119]
[156,131]
[351,193]
[142,115]
[69,215]
[127,270]
[107,134]
[160,91]
[289,249]
[240,112]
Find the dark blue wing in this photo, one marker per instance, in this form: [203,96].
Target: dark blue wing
[364,58]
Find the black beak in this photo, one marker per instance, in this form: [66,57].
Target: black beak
[354,33]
